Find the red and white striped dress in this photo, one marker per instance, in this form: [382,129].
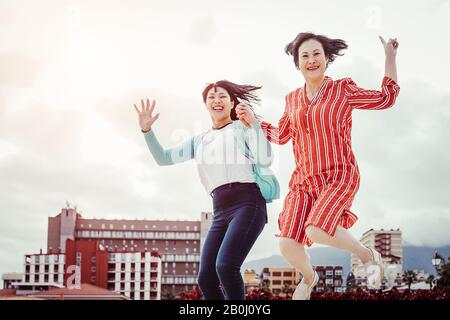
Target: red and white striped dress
[326,175]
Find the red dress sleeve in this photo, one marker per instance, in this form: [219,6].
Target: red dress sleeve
[280,134]
[360,98]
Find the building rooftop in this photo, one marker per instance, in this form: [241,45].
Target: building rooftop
[12,276]
[85,292]
[381,230]
[10,294]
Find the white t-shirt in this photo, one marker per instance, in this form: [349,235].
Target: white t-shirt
[220,160]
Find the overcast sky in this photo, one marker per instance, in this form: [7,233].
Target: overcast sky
[71,70]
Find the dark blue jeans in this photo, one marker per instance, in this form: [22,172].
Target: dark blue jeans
[240,215]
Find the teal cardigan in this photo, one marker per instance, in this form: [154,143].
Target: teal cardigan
[251,141]
[260,149]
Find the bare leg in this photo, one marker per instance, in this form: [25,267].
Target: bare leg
[295,253]
[342,240]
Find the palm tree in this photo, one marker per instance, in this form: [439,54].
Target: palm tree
[287,289]
[409,277]
[430,281]
[167,295]
[444,275]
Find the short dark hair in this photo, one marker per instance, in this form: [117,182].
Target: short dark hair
[238,93]
[331,47]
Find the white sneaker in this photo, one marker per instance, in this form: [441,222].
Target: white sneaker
[374,270]
[303,291]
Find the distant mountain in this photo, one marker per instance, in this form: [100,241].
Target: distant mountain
[414,258]
[419,258]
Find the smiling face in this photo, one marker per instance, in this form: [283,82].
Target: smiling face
[219,104]
[312,61]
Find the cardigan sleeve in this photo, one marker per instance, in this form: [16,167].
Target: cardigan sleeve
[259,146]
[164,157]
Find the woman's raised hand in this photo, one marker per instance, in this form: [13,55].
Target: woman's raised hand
[146,119]
[390,47]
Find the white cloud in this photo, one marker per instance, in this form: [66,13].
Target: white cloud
[68,130]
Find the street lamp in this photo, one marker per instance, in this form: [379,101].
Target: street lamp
[437,262]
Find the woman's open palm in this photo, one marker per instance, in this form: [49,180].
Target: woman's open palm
[146,119]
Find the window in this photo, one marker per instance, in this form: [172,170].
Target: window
[93,259]
[276,274]
[276,282]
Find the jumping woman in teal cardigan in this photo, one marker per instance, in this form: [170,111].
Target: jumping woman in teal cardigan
[233,160]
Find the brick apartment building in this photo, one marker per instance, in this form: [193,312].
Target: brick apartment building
[178,243]
[280,279]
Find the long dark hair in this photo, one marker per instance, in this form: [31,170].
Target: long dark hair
[238,93]
[331,47]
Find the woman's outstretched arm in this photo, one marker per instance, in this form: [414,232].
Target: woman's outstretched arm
[360,98]
[390,50]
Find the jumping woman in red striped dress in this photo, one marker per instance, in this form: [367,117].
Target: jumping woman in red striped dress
[318,120]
